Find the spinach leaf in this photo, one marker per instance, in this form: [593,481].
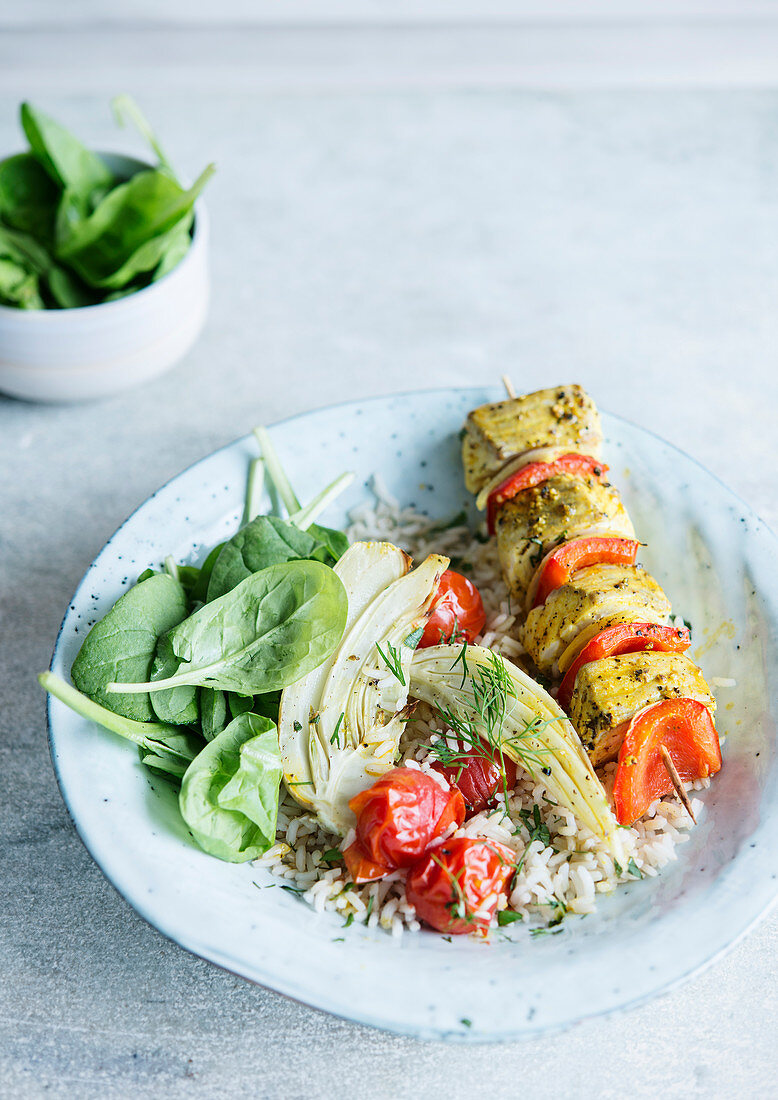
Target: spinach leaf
[69,163]
[239,704]
[18,286]
[268,705]
[28,197]
[179,705]
[229,794]
[67,290]
[214,715]
[123,236]
[265,541]
[25,250]
[155,739]
[334,541]
[200,590]
[176,245]
[276,626]
[121,646]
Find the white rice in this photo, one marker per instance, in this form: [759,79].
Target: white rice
[561,878]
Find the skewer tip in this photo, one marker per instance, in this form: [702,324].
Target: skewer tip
[675,779]
[508,386]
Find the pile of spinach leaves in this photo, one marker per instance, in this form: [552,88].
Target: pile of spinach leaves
[74,234]
[189,663]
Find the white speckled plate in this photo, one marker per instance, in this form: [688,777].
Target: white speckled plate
[717,562]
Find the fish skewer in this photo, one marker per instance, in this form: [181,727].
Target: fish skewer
[533,462]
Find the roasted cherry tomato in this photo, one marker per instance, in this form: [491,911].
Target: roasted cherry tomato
[478,779]
[397,820]
[623,638]
[560,563]
[684,727]
[537,472]
[455,888]
[458,614]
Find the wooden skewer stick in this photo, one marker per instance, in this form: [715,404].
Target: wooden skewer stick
[675,779]
[508,386]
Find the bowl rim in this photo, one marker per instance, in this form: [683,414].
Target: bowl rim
[200,233]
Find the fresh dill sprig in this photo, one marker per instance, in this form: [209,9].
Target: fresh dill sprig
[477,721]
[393,661]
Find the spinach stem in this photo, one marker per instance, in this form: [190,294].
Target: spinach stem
[139,732]
[275,471]
[256,483]
[304,517]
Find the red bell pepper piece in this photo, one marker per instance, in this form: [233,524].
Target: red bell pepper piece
[558,566]
[685,728]
[623,638]
[572,464]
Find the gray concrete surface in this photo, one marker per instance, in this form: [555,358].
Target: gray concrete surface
[363,244]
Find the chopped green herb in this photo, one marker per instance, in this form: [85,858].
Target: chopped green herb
[633,868]
[348,921]
[549,930]
[332,855]
[413,639]
[339,939]
[393,661]
[466,1022]
[292,889]
[508,916]
[297,726]
[335,739]
[370,903]
[619,869]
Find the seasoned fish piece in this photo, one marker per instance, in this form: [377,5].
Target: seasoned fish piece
[609,692]
[569,654]
[564,416]
[562,508]
[592,596]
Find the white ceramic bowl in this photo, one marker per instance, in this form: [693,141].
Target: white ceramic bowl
[96,351]
[715,560]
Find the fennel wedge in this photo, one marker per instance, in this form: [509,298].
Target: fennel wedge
[475,686]
[340,726]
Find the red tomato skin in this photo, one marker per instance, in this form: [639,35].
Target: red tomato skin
[455,888]
[685,728]
[560,563]
[458,613]
[535,473]
[397,820]
[478,779]
[623,638]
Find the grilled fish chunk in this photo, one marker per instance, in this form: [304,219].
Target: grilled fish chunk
[609,692]
[592,596]
[564,416]
[562,508]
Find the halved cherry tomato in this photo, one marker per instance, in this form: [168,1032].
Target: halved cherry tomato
[536,472]
[457,886]
[478,779]
[397,820]
[560,563]
[685,728]
[458,614]
[623,638]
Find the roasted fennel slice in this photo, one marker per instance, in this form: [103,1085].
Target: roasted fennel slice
[480,693]
[339,727]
